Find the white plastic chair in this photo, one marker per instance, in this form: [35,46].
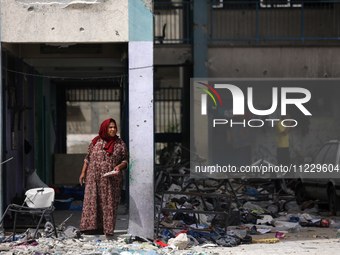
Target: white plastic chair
[38,201]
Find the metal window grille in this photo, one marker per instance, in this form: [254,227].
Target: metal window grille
[93,94]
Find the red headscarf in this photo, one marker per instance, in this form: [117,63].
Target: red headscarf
[103,134]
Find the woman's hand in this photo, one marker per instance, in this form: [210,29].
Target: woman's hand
[117,169]
[83,174]
[82,179]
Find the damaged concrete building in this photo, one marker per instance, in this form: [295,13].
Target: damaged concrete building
[57,55]
[137,57]
[258,44]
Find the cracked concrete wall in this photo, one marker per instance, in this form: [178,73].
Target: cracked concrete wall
[274,62]
[32,21]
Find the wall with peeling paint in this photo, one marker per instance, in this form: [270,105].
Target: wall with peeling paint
[64,21]
[141,20]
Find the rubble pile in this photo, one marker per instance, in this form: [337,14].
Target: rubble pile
[187,222]
[84,245]
[256,210]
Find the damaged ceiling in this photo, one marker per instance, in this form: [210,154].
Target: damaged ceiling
[59,3]
[74,61]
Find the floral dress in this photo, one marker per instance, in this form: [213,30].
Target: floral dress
[102,193]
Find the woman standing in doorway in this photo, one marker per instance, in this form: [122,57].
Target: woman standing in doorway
[106,153]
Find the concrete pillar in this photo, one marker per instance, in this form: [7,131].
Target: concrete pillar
[200,58]
[200,47]
[141,127]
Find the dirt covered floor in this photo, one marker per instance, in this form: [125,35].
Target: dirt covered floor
[316,240]
[286,233]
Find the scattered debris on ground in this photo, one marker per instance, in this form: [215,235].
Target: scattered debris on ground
[242,214]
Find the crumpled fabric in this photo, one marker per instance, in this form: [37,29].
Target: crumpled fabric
[246,240]
[72,232]
[183,231]
[167,234]
[227,241]
[197,234]
[28,243]
[160,243]
[192,241]
[48,228]
[171,205]
[185,217]
[42,253]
